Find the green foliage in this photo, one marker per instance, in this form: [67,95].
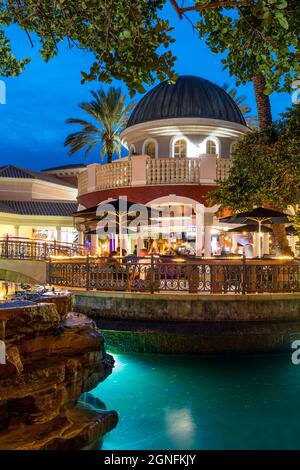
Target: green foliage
[109,115]
[295,219]
[261,38]
[266,168]
[9,65]
[127,39]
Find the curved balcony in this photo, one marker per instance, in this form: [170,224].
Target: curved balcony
[142,170]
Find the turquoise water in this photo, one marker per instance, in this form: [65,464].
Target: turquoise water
[170,402]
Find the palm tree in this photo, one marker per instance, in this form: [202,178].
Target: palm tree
[239,100]
[109,115]
[262,102]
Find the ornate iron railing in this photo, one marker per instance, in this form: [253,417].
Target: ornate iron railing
[158,275]
[18,248]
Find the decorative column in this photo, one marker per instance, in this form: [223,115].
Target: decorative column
[292,243]
[58,234]
[140,244]
[92,183]
[208,221]
[17,230]
[208,169]
[80,236]
[94,244]
[207,241]
[199,229]
[123,242]
[266,244]
[256,242]
[234,239]
[139,170]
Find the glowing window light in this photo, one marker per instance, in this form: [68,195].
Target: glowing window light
[180,149]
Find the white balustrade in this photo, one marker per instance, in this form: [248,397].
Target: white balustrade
[223,168]
[173,171]
[130,172]
[83,182]
[113,175]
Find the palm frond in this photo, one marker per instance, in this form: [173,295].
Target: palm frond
[109,114]
[239,100]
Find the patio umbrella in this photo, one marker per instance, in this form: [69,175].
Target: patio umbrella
[260,215]
[250,228]
[93,231]
[119,207]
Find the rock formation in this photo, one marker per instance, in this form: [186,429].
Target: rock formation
[51,358]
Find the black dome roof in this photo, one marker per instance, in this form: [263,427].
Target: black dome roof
[190,96]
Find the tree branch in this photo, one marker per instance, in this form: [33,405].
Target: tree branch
[176,8]
[48,24]
[208,6]
[21,22]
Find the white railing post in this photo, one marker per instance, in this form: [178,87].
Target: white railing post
[83,182]
[208,169]
[139,170]
[91,183]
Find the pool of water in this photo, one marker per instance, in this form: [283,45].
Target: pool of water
[171,402]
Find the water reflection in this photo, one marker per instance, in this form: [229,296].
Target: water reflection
[91,402]
[180,427]
[178,402]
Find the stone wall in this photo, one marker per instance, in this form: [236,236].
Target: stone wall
[188,308]
[51,359]
[193,324]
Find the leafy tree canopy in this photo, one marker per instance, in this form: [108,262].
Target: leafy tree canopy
[128,39]
[266,168]
[260,36]
[295,219]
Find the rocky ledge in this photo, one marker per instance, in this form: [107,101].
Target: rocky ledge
[51,359]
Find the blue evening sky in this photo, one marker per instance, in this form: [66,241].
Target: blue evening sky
[32,123]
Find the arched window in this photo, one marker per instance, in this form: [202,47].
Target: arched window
[211,147]
[150,148]
[179,148]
